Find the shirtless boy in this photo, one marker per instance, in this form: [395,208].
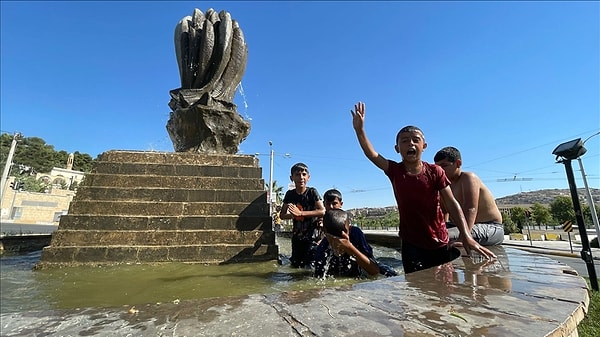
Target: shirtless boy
[477,202]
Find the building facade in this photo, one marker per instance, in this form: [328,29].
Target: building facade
[41,208]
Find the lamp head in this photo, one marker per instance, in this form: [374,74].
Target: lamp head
[570,150]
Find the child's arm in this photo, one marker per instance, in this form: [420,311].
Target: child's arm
[319,209]
[457,216]
[292,210]
[358,122]
[343,244]
[284,213]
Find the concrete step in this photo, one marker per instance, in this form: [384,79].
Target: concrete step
[109,238]
[191,182]
[178,170]
[149,208]
[169,194]
[137,222]
[179,158]
[96,255]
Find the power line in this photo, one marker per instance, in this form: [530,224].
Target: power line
[526,150]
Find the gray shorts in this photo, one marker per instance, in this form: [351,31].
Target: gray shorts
[486,234]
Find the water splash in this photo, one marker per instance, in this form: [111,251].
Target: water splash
[240,88]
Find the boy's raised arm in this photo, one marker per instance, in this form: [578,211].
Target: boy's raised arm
[358,122]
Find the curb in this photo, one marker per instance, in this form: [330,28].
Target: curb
[546,251]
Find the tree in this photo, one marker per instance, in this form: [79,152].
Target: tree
[82,162]
[509,225]
[586,211]
[390,220]
[41,157]
[562,209]
[518,214]
[278,190]
[33,185]
[32,155]
[541,214]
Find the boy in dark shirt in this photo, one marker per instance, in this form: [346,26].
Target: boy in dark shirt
[305,206]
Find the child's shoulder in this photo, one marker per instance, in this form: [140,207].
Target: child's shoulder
[432,167]
[312,191]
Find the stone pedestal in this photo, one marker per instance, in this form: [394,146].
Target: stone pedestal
[152,207]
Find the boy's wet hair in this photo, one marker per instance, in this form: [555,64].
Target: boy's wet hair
[334,221]
[332,194]
[299,167]
[409,128]
[449,153]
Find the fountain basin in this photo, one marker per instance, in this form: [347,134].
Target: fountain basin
[521,294]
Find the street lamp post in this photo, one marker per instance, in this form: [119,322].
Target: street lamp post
[271,180]
[588,194]
[8,164]
[569,151]
[271,162]
[590,200]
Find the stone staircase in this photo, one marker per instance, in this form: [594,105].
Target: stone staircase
[153,207]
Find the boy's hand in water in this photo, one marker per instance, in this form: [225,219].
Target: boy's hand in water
[470,246]
[340,245]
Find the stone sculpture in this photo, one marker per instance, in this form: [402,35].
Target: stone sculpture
[211,54]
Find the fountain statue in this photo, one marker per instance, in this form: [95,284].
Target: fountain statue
[202,204]
[211,55]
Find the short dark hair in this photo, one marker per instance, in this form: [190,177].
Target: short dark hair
[299,167]
[334,221]
[409,128]
[332,194]
[449,153]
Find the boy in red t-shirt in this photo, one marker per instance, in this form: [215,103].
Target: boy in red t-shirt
[418,187]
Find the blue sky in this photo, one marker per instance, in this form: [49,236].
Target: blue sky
[505,82]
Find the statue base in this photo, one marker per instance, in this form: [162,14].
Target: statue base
[149,207]
[201,124]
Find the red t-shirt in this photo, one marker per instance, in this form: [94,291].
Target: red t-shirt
[421,218]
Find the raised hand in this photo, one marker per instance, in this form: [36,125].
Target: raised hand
[358,115]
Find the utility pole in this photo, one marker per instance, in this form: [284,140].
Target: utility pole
[8,164]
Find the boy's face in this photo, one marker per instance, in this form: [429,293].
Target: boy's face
[334,204]
[300,178]
[451,168]
[410,145]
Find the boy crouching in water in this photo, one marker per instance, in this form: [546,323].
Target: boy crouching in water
[344,251]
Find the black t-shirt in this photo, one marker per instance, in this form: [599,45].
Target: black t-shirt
[307,201]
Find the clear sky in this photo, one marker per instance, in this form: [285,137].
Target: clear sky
[505,82]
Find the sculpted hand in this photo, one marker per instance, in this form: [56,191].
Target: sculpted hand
[358,115]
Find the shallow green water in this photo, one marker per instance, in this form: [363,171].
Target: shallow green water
[112,286]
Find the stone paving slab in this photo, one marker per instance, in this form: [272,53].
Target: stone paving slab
[521,294]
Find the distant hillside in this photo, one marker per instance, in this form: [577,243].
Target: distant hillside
[545,196]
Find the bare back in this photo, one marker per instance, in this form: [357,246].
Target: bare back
[473,196]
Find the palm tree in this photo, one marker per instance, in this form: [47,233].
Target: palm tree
[278,190]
